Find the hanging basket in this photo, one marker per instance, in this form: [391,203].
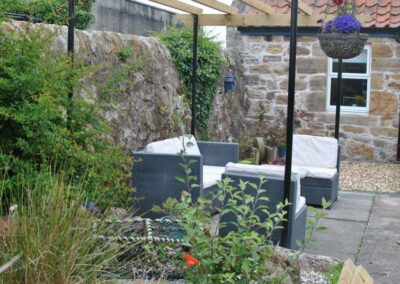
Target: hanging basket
[339,45]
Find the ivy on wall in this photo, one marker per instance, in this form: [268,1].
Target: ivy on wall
[210,61]
[50,11]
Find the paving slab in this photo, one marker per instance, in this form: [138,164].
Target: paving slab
[380,250]
[342,239]
[355,200]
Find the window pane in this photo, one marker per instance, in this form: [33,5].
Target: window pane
[353,65]
[354,92]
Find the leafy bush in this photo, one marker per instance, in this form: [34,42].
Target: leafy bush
[50,11]
[241,255]
[53,234]
[180,44]
[40,125]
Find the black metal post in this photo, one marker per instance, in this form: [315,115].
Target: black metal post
[71,39]
[398,143]
[194,72]
[290,120]
[338,97]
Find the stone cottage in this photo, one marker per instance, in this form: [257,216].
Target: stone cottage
[371,82]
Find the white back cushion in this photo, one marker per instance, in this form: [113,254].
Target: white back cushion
[314,151]
[175,146]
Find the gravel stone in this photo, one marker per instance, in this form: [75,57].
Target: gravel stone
[370,176]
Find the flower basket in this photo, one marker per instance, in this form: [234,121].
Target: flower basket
[340,45]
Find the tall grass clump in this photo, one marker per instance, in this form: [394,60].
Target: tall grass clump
[53,233]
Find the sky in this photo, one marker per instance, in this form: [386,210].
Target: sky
[218,32]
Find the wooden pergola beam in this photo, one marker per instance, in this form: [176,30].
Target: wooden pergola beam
[246,20]
[176,4]
[304,7]
[218,6]
[260,6]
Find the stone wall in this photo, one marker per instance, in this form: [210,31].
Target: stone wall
[369,136]
[145,101]
[129,17]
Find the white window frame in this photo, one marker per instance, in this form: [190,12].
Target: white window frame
[366,76]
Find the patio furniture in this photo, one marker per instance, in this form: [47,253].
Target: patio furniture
[320,157]
[274,191]
[155,169]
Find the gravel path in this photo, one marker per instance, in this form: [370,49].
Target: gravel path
[372,177]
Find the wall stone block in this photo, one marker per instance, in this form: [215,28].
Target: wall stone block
[315,101]
[384,131]
[353,129]
[383,103]
[274,49]
[381,50]
[359,151]
[311,65]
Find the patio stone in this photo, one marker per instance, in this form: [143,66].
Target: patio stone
[341,240]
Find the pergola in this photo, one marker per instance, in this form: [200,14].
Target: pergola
[301,15]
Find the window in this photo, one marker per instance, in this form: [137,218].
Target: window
[355,82]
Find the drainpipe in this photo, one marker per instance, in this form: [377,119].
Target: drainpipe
[194,72]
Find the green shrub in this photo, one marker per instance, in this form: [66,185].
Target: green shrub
[241,255]
[41,126]
[50,11]
[210,61]
[53,234]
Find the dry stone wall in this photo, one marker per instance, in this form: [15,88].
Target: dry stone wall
[368,136]
[144,102]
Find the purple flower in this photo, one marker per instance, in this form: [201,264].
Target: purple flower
[346,23]
[327,27]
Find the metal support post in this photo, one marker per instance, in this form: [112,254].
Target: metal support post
[194,72]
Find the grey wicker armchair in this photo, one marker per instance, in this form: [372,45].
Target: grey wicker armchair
[154,174]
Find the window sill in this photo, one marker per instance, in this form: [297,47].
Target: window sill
[364,112]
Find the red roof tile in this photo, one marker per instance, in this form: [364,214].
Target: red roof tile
[384,13]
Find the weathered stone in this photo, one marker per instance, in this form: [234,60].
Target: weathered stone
[317,51]
[395,77]
[271,96]
[386,64]
[383,103]
[300,85]
[251,79]
[377,80]
[359,150]
[280,68]
[381,50]
[301,50]
[394,85]
[384,131]
[274,49]
[260,69]
[318,82]
[353,129]
[360,120]
[311,65]
[251,60]
[272,58]
[316,101]
[281,100]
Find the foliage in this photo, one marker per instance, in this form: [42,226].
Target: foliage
[345,22]
[333,275]
[53,234]
[40,125]
[210,61]
[240,255]
[50,11]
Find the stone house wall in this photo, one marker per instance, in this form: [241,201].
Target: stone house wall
[264,59]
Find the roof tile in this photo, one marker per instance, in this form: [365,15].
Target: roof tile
[384,13]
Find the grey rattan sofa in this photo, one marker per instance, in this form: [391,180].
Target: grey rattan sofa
[154,173]
[274,191]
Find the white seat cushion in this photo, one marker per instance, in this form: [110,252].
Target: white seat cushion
[211,175]
[314,151]
[314,172]
[175,146]
[272,171]
[300,204]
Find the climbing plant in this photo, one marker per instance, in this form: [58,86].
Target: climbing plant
[210,61]
[50,11]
